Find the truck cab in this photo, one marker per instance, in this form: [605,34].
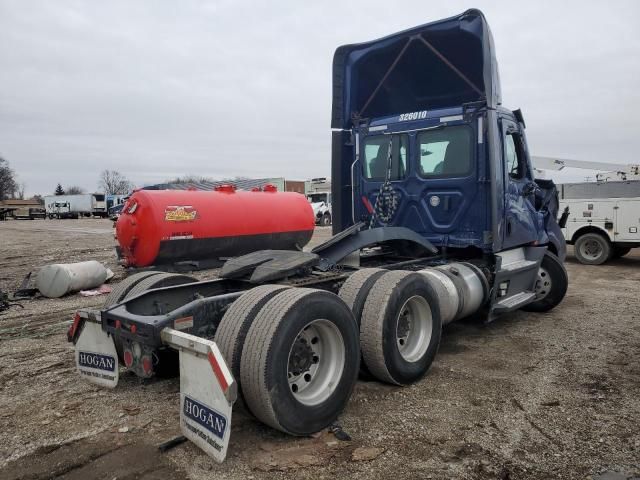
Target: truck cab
[422,141]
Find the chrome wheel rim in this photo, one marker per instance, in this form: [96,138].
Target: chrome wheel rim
[414,327]
[543,284]
[316,362]
[591,249]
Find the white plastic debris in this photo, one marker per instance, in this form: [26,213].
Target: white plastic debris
[57,280]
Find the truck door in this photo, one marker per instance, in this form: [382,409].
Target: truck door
[627,221]
[521,221]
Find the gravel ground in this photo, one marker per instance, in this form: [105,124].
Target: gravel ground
[529,396]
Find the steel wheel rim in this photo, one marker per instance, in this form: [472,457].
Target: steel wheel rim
[316,362]
[543,284]
[414,326]
[591,249]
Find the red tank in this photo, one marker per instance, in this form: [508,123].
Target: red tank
[165,226]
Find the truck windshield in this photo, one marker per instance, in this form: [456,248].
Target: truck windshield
[317,197]
[376,150]
[445,152]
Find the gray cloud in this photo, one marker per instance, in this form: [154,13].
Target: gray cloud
[161,88]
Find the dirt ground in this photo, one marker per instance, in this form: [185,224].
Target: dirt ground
[529,396]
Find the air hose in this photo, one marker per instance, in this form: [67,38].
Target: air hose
[388,199]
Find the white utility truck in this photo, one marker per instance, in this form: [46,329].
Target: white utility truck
[603,219]
[318,192]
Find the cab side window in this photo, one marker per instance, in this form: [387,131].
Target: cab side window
[376,152]
[514,155]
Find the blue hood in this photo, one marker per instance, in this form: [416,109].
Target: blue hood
[441,64]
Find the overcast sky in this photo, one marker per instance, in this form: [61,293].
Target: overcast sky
[163,88]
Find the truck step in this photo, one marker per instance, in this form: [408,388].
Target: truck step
[518,265]
[513,302]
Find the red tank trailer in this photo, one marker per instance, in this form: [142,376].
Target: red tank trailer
[165,226]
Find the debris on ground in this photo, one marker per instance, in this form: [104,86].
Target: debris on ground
[59,279]
[102,290]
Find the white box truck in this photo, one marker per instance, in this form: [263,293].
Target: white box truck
[69,206]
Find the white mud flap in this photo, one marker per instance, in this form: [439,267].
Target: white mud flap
[207,392]
[96,356]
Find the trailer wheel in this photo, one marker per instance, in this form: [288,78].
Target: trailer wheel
[592,249]
[120,291]
[551,285]
[401,327]
[300,361]
[232,331]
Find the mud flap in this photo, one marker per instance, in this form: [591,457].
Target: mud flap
[96,356]
[207,392]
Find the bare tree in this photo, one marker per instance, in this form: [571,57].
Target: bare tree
[8,185]
[189,179]
[74,190]
[20,190]
[113,182]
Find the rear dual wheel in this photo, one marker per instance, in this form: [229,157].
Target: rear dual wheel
[295,354]
[400,327]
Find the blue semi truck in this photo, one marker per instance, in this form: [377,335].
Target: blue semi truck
[436,217]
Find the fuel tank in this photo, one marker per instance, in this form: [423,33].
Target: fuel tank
[165,226]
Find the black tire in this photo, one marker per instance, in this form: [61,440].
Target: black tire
[354,292]
[265,364]
[356,288]
[119,292]
[552,271]
[166,358]
[596,243]
[379,327]
[325,221]
[232,330]
[620,251]
[159,281]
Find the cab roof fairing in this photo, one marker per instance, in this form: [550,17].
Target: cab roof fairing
[442,64]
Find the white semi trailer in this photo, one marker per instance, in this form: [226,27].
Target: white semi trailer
[75,206]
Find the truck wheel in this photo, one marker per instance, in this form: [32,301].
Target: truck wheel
[159,281]
[354,292]
[300,361]
[166,359]
[620,251]
[121,289]
[232,331]
[592,249]
[326,220]
[551,285]
[356,288]
[401,327]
